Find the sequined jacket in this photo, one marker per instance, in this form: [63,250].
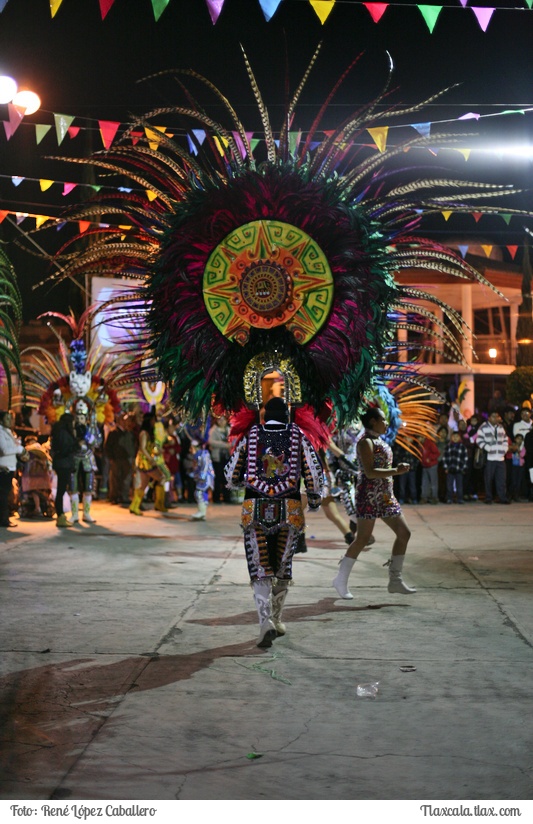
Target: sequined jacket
[272,461]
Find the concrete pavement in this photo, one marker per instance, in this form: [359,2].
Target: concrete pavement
[129,668]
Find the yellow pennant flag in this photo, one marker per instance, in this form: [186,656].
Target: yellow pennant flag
[40,219]
[323,8]
[487,250]
[150,195]
[446,214]
[154,136]
[464,152]
[54,6]
[220,143]
[45,184]
[379,136]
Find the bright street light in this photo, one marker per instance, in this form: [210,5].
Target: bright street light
[8,89]
[25,100]
[493,353]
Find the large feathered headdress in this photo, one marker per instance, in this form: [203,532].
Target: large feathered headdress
[286,262]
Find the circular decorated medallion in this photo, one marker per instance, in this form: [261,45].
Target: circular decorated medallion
[266,274]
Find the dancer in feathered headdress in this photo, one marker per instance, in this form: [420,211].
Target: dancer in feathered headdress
[289,263]
[10,320]
[286,263]
[79,382]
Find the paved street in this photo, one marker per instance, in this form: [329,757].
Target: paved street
[129,668]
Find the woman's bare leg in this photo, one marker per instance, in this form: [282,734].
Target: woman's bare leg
[365,527]
[402,532]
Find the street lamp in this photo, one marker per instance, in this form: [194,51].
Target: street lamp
[26,101]
[493,354]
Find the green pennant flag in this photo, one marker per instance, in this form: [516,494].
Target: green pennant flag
[62,122]
[40,131]
[506,217]
[159,7]
[430,15]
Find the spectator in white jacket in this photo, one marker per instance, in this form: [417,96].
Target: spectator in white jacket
[523,426]
[492,437]
[10,448]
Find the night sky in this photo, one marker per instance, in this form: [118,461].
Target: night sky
[84,67]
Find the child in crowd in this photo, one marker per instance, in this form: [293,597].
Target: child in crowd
[430,468]
[518,454]
[455,462]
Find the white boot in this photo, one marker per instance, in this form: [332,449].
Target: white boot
[340,582]
[87,498]
[200,514]
[279,593]
[396,582]
[74,508]
[263,601]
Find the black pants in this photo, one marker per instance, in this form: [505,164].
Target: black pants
[6,479]
[63,478]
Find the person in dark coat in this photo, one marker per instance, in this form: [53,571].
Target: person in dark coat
[64,444]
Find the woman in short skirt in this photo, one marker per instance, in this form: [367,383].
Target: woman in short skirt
[374,498]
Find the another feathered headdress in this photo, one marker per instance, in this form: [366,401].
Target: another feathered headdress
[288,263]
[10,320]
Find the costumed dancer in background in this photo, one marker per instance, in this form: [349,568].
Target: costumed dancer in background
[88,438]
[150,465]
[204,477]
[374,498]
[270,463]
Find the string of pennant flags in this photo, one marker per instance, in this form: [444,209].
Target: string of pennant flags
[322,8]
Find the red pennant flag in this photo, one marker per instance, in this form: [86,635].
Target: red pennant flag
[477,216]
[73,131]
[84,225]
[108,130]
[3,214]
[136,136]
[376,10]
[512,251]
[105,5]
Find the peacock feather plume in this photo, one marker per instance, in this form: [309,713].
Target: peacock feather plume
[10,321]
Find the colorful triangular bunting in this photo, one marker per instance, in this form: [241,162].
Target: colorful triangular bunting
[105,5]
[159,7]
[54,6]
[430,15]
[376,10]
[269,8]
[483,16]
[512,251]
[40,131]
[215,7]
[323,8]
[62,122]
[108,130]
[379,136]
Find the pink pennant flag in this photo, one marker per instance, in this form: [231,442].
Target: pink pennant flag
[68,187]
[483,16]
[214,7]
[73,131]
[469,116]
[376,10]
[20,216]
[463,3]
[512,251]
[15,119]
[105,5]
[108,130]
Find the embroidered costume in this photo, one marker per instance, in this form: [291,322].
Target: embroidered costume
[374,497]
[270,463]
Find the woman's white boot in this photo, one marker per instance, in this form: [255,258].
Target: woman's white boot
[396,582]
[279,593]
[263,601]
[340,582]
